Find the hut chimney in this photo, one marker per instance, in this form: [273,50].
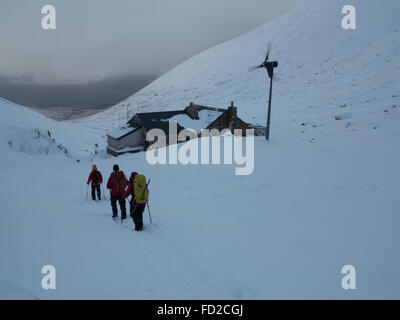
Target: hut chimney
[192,111]
[232,115]
[232,111]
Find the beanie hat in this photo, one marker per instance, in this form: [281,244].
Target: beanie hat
[133,174]
[115,168]
[94,167]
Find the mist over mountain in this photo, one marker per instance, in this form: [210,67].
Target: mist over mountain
[98,94]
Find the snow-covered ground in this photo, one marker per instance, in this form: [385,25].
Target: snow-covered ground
[324,192]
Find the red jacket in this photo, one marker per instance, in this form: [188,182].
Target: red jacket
[117,183]
[130,192]
[91,177]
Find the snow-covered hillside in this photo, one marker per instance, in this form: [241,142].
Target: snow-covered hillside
[324,192]
[324,71]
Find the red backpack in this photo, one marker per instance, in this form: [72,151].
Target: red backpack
[119,182]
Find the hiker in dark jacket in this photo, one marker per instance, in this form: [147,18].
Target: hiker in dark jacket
[117,185]
[97,179]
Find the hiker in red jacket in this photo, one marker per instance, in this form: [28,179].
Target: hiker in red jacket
[97,179]
[117,185]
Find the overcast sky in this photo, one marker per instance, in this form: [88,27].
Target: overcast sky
[96,40]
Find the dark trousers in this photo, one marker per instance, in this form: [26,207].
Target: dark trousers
[137,216]
[94,189]
[121,201]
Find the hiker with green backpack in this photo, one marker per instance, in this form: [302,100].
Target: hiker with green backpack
[138,190]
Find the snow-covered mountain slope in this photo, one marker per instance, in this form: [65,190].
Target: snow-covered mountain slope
[27,131]
[324,71]
[285,231]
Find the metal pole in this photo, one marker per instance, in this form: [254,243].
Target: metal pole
[148,208]
[269,108]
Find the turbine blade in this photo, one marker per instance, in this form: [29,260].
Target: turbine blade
[268,51]
[253,68]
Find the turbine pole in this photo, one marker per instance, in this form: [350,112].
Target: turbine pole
[269,107]
[269,66]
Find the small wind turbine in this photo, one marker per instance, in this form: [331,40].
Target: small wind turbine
[269,65]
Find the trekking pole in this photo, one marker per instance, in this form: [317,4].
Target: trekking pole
[148,209]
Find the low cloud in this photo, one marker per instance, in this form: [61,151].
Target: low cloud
[97,94]
[101,39]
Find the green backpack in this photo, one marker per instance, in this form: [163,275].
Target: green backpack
[141,191]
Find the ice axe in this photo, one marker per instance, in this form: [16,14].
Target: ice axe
[148,207]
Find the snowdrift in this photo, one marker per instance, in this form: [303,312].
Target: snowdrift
[27,131]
